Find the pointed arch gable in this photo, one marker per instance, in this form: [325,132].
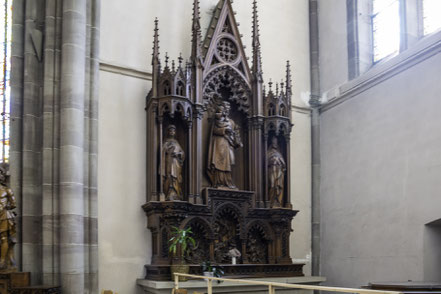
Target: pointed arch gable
[224,28]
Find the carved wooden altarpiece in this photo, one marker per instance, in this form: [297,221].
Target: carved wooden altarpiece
[218,154]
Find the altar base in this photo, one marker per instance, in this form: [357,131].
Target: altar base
[162,287]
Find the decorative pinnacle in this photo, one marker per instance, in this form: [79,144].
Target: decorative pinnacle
[173,65]
[288,81]
[156,44]
[257,57]
[282,85]
[166,59]
[180,60]
[277,89]
[196,31]
[270,86]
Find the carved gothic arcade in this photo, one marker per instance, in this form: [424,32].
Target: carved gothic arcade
[218,154]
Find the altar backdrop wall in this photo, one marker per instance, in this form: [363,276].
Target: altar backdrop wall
[381,162]
[126,47]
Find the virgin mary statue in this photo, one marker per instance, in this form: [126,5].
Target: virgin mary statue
[225,137]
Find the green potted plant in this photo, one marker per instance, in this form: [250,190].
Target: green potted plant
[210,270]
[178,247]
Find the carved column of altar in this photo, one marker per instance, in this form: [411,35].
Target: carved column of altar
[152,147]
[265,164]
[256,155]
[196,175]
[288,172]
[190,159]
[161,139]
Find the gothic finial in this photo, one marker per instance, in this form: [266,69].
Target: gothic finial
[282,86]
[257,58]
[180,60]
[156,44]
[270,86]
[173,65]
[277,89]
[196,31]
[166,59]
[288,82]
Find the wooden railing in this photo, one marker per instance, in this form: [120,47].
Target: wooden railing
[272,285]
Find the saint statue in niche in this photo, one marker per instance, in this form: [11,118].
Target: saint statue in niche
[276,174]
[173,157]
[225,137]
[8,233]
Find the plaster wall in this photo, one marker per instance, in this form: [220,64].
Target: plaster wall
[126,42]
[381,165]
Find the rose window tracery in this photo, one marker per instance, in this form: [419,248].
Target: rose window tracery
[227,50]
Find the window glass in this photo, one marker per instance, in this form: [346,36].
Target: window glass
[5,68]
[431,15]
[386,28]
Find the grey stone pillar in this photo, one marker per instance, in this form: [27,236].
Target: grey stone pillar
[315,135]
[54,126]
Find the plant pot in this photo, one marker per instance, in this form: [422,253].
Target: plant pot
[181,269]
[208,274]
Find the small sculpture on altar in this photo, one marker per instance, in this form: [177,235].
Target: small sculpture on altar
[234,253]
[173,157]
[8,233]
[225,137]
[276,174]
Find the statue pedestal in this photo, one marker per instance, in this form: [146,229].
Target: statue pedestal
[160,287]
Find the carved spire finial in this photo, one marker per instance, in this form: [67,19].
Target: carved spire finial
[196,32]
[166,59]
[173,66]
[156,44]
[270,86]
[277,89]
[288,82]
[180,60]
[257,57]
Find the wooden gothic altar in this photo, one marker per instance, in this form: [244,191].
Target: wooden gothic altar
[218,154]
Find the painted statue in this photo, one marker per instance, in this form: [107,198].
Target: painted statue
[173,157]
[276,174]
[8,234]
[225,137]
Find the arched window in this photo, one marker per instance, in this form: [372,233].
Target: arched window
[271,110]
[282,110]
[5,90]
[166,88]
[180,89]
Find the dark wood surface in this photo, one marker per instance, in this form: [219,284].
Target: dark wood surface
[226,131]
